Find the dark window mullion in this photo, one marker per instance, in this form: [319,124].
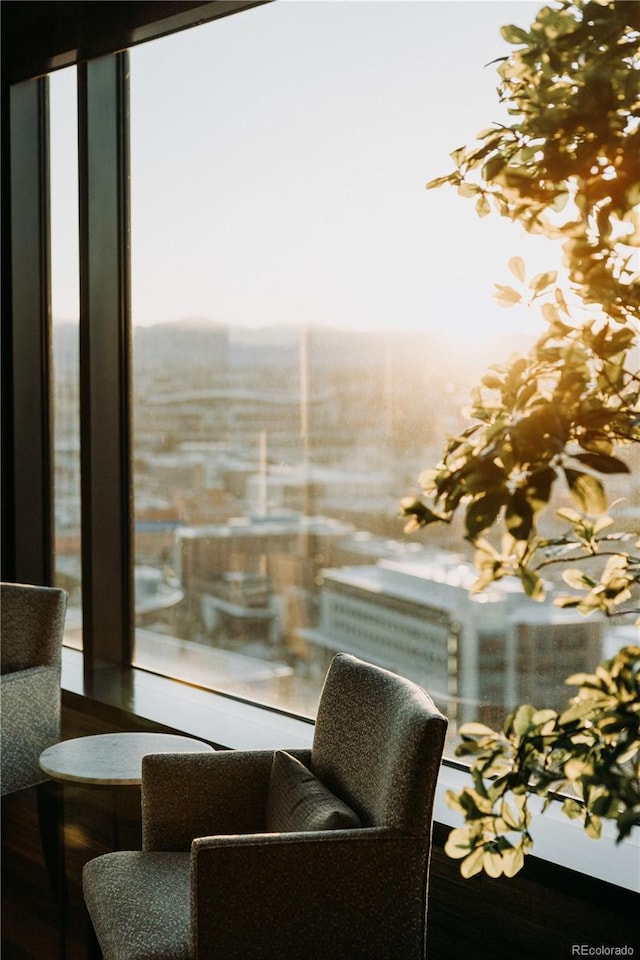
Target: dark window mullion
[31,486]
[105,394]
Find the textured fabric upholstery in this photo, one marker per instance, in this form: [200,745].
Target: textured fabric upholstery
[378,744]
[198,794]
[352,894]
[297,801]
[140,903]
[31,628]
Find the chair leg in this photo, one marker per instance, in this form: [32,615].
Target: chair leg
[50,799]
[93,947]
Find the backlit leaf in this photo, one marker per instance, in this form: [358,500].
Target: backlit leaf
[472,864]
[593,827]
[482,206]
[513,861]
[506,296]
[513,34]
[493,864]
[518,268]
[457,845]
[493,167]
[550,313]
[474,729]
[522,719]
[587,491]
[533,584]
[543,280]
[578,580]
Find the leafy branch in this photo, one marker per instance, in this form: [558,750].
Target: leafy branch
[552,424]
[590,752]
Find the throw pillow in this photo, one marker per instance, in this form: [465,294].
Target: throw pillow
[297,801]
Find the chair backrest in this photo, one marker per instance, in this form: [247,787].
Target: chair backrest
[31,625]
[378,744]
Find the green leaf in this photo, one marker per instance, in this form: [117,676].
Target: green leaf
[472,864]
[533,584]
[440,181]
[593,827]
[493,167]
[578,580]
[513,861]
[538,487]
[574,768]
[522,719]
[482,206]
[493,864]
[482,512]
[458,843]
[418,513]
[475,730]
[543,280]
[506,296]
[602,462]
[508,816]
[491,381]
[550,313]
[518,268]
[572,809]
[587,491]
[544,718]
[562,303]
[519,516]
[513,34]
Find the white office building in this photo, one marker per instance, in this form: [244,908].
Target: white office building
[479,655]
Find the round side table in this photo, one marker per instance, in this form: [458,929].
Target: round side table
[112,760]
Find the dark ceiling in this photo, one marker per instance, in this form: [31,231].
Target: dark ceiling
[40,36]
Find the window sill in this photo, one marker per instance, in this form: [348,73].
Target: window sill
[223,721]
[228,723]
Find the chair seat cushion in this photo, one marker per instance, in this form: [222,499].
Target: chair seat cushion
[139,904]
[298,801]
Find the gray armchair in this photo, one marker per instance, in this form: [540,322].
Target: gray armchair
[313,855]
[31,626]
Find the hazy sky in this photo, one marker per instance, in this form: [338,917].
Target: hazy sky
[279,162]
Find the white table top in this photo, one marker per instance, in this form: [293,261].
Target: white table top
[111,759]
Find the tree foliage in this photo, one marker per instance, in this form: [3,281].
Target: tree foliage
[552,428]
[552,424]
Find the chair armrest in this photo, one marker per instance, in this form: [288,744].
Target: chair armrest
[191,795]
[309,896]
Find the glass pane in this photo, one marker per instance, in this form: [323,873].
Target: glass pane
[308,324]
[65,310]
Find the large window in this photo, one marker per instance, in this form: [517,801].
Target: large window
[307,322]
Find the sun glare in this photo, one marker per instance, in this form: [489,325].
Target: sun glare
[302,169]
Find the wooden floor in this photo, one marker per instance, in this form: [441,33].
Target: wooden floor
[30,915]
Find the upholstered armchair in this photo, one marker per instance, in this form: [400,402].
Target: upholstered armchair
[307,855]
[31,627]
